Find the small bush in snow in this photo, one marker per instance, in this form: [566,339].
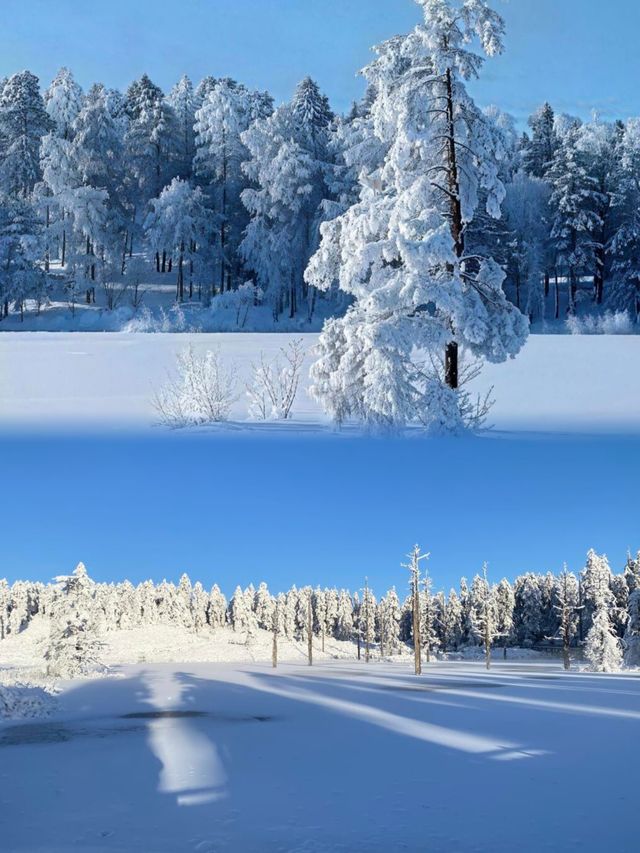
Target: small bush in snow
[609,323]
[202,392]
[273,388]
[22,700]
[238,302]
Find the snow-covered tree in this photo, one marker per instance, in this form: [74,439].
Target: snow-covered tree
[504,602]
[632,634]
[217,612]
[63,101]
[152,139]
[389,615]
[226,112]
[540,150]
[573,217]
[528,623]
[625,243]
[183,100]
[177,225]
[23,123]
[400,251]
[74,646]
[566,607]
[602,647]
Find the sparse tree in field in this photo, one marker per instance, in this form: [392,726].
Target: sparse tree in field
[414,568]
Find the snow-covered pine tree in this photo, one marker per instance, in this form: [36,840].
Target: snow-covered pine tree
[625,242]
[4,607]
[177,226]
[504,601]
[540,150]
[601,648]
[526,212]
[183,100]
[400,251]
[599,144]
[226,112]
[367,619]
[290,167]
[152,140]
[428,626]
[217,612]
[632,633]
[528,623]
[485,606]
[74,646]
[63,101]
[23,123]
[574,220]
[390,614]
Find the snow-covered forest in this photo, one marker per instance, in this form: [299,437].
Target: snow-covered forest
[595,611]
[211,198]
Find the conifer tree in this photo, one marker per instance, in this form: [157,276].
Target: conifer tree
[400,251]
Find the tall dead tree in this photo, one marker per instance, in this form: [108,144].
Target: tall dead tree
[414,568]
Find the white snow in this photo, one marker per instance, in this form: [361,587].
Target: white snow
[559,383]
[340,756]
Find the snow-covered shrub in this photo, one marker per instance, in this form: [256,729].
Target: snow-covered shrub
[609,323]
[238,303]
[273,387]
[24,700]
[202,392]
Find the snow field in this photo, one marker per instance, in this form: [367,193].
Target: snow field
[558,384]
[340,756]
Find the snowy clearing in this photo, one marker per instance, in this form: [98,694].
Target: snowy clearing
[338,757]
[575,384]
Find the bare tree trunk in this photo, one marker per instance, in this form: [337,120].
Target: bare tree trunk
[455,217]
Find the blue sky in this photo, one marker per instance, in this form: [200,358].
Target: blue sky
[580,54]
[315,511]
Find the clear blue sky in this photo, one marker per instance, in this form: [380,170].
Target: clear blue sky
[319,511]
[579,54]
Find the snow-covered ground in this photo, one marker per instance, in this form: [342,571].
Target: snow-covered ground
[336,757]
[559,383]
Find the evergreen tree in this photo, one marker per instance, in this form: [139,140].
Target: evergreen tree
[74,646]
[63,101]
[400,251]
[540,150]
[23,123]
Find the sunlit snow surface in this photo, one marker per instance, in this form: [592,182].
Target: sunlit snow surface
[558,384]
[339,757]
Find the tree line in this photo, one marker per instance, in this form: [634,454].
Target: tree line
[214,188]
[596,610]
